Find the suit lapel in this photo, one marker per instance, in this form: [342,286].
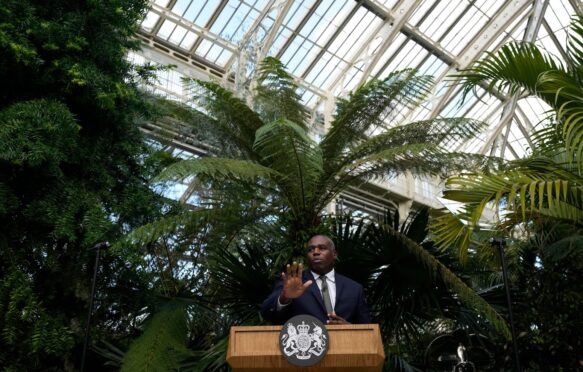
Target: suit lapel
[314,290]
[339,289]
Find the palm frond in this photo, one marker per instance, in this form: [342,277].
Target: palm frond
[367,107]
[466,294]
[243,278]
[569,247]
[515,68]
[276,94]
[213,358]
[431,132]
[575,46]
[191,222]
[235,121]
[162,345]
[285,148]
[452,230]
[217,168]
[400,276]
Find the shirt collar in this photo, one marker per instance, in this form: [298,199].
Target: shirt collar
[330,276]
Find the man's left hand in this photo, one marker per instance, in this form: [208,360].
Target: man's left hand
[335,319]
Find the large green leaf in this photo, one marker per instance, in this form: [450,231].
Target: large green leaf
[367,108]
[285,148]
[162,345]
[217,168]
[277,94]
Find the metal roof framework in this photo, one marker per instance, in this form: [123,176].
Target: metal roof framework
[333,46]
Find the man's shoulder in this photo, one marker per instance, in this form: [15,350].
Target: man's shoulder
[347,281]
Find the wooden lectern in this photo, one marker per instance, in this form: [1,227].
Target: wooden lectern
[352,347]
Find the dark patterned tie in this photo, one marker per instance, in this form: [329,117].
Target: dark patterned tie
[326,295]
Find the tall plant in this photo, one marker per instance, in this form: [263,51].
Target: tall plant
[537,199]
[547,183]
[291,178]
[73,171]
[267,145]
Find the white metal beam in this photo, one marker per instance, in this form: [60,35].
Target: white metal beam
[532,28]
[198,30]
[398,18]
[491,31]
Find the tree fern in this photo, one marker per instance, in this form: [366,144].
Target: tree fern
[162,345]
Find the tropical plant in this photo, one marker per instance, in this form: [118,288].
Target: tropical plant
[412,288]
[547,183]
[268,147]
[263,187]
[537,200]
[74,171]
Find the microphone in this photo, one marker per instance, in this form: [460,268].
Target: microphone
[101,245]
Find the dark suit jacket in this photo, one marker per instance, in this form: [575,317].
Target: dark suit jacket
[350,303]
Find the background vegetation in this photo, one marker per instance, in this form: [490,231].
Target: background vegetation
[75,171]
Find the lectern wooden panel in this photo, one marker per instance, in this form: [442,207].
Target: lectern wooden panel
[352,347]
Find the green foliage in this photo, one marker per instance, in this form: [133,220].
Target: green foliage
[74,170]
[407,280]
[524,69]
[537,201]
[162,345]
[547,276]
[277,95]
[37,133]
[262,191]
[27,326]
[307,175]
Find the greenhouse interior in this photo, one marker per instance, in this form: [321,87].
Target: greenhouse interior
[173,172]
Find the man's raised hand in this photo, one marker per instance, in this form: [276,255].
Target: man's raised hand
[292,283]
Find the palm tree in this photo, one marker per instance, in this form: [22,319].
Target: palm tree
[412,302]
[546,184]
[540,196]
[268,146]
[265,183]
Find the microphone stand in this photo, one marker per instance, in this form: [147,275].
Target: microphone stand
[97,247]
[501,243]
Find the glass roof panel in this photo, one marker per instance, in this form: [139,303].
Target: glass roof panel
[410,54]
[326,68]
[234,20]
[352,77]
[433,66]
[464,31]
[177,35]
[489,7]
[360,27]
[441,17]
[198,14]
[320,41]
[189,40]
[421,12]
[291,22]
[394,47]
[315,33]
[150,21]
[166,29]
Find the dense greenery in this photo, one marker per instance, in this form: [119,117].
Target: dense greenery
[264,189]
[74,171]
[538,199]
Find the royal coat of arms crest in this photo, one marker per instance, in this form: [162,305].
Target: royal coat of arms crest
[304,340]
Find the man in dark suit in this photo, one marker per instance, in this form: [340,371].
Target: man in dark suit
[320,292]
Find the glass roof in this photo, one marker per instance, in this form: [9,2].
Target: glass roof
[333,46]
